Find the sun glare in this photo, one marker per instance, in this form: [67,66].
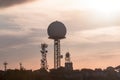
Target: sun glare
[102,6]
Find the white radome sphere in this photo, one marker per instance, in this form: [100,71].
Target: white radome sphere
[56,30]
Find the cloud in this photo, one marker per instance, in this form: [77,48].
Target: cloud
[7,22]
[85,38]
[8,41]
[77,20]
[15,34]
[17,39]
[8,3]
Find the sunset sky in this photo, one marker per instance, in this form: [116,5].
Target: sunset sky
[93,32]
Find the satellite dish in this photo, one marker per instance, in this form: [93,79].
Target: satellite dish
[56,30]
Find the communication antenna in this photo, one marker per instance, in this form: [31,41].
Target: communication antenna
[5,66]
[68,63]
[67,57]
[21,67]
[44,56]
[57,31]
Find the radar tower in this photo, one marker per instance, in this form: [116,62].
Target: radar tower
[57,31]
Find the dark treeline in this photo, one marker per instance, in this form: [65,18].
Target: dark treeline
[110,73]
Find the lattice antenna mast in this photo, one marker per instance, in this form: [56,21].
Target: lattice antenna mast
[44,56]
[5,66]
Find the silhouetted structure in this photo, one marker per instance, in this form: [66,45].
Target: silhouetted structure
[5,66]
[21,67]
[61,73]
[41,74]
[68,63]
[57,31]
[44,56]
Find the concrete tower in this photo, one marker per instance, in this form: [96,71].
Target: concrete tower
[57,31]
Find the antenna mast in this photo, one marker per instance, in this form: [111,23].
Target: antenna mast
[44,56]
[5,66]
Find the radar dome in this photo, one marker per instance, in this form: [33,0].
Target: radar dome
[56,30]
[67,55]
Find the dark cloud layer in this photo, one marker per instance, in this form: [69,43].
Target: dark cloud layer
[8,3]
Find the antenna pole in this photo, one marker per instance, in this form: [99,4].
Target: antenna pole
[44,56]
[5,65]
